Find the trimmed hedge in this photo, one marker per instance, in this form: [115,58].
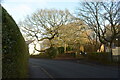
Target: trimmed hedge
[15,51]
[99,56]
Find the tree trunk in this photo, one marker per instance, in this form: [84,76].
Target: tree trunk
[65,48]
[51,45]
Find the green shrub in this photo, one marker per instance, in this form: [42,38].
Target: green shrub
[15,51]
[69,48]
[51,52]
[60,50]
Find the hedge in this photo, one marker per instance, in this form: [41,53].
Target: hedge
[99,56]
[15,51]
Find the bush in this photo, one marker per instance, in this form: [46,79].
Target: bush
[69,48]
[51,52]
[60,50]
[15,51]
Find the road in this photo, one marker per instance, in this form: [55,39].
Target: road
[46,68]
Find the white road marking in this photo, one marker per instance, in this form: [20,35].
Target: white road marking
[46,72]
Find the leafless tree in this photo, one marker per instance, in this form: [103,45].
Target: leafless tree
[102,17]
[44,24]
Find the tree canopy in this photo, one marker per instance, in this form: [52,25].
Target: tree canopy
[44,24]
[102,18]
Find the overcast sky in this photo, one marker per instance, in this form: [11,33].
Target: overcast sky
[18,9]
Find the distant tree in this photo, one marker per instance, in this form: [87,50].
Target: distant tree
[101,17]
[44,24]
[73,34]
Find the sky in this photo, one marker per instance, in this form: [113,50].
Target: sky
[19,9]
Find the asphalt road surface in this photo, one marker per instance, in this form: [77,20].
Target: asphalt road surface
[46,68]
